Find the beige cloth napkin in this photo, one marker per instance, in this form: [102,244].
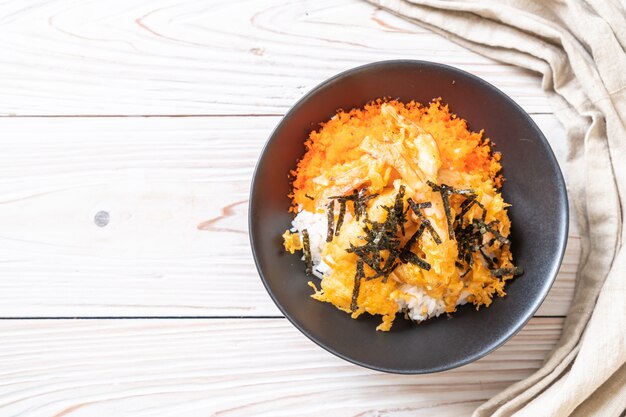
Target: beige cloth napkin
[579,47]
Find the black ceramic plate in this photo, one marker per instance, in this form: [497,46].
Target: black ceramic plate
[534,186]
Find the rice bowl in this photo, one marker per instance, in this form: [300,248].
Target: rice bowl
[534,188]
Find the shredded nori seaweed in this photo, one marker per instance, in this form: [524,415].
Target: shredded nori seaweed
[309,197]
[413,239]
[359,200]
[378,237]
[465,207]
[468,204]
[385,236]
[492,262]
[358,276]
[416,207]
[330,214]
[390,264]
[409,257]
[398,208]
[446,208]
[495,233]
[342,214]
[445,192]
[470,240]
[507,271]
[308,261]
[463,191]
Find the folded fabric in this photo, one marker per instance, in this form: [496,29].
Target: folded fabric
[579,48]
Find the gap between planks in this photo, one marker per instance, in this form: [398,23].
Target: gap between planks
[233,368]
[251,56]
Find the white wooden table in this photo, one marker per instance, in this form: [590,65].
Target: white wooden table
[154,112]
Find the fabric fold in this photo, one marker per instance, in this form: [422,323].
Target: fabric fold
[578,47]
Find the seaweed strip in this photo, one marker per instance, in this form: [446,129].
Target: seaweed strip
[445,192]
[466,191]
[362,253]
[342,214]
[407,256]
[413,239]
[370,262]
[507,271]
[410,257]
[376,258]
[466,206]
[391,222]
[377,232]
[446,208]
[433,232]
[362,200]
[390,264]
[384,236]
[330,213]
[416,207]
[360,273]
[309,197]
[359,199]
[495,233]
[398,208]
[358,209]
[363,204]
[490,261]
[308,262]
[468,239]
[484,215]
[434,186]
[449,189]
[469,259]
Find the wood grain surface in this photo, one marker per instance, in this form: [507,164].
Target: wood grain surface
[166,57]
[249,367]
[129,131]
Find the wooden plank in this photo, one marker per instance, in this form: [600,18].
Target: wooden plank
[164,368]
[168,57]
[176,192]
